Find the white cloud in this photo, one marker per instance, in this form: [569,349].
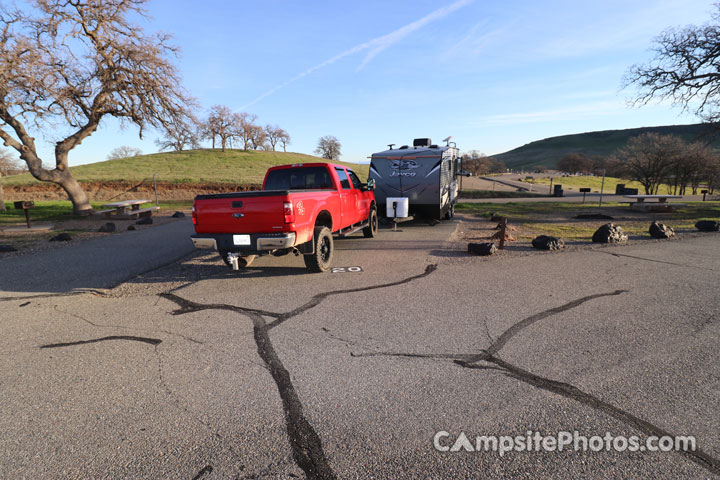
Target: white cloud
[375,46]
[478,38]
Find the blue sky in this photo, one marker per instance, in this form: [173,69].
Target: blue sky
[495,75]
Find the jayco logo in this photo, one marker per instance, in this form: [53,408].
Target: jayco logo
[404,164]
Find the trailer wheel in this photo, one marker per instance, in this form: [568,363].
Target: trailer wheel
[450,213]
[371,230]
[321,259]
[243,261]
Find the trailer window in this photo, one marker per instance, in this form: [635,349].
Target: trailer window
[306,178]
[343,178]
[357,184]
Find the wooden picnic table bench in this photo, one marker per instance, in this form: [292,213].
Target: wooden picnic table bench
[127,209]
[660,202]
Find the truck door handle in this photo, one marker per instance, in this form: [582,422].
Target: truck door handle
[238,215]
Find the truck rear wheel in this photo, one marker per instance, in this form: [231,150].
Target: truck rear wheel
[243,261]
[321,259]
[371,230]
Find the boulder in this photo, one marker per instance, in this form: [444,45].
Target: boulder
[108,228]
[708,226]
[609,233]
[546,242]
[145,221]
[178,215]
[63,237]
[483,249]
[7,248]
[660,230]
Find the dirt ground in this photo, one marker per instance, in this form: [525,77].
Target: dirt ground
[477,183]
[578,232]
[116,191]
[80,229]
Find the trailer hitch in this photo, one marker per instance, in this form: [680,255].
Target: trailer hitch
[232,259]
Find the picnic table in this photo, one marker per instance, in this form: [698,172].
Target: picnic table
[657,203]
[127,209]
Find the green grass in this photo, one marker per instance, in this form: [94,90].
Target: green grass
[578,182]
[557,218]
[496,194]
[548,151]
[194,166]
[55,211]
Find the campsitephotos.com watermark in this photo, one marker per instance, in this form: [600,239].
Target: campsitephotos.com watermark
[561,441]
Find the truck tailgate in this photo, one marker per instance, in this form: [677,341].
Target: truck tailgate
[241,212]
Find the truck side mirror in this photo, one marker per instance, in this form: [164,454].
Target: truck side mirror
[371,184]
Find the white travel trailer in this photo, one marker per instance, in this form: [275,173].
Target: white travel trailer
[425,174]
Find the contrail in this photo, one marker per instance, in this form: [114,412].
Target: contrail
[375,46]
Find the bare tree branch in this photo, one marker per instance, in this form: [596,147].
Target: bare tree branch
[76,62]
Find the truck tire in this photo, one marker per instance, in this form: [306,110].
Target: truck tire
[321,260]
[371,230]
[243,261]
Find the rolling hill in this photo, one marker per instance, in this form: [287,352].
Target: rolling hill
[192,166]
[548,151]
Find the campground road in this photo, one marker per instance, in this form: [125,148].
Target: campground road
[96,264]
[193,371]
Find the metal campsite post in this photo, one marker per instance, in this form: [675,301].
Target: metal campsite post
[157,204]
[602,188]
[584,192]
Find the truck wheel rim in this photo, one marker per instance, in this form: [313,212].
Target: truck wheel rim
[325,250]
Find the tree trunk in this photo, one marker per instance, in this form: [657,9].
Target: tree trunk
[2,200]
[78,197]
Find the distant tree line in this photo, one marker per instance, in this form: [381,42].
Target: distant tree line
[225,129]
[479,164]
[654,160]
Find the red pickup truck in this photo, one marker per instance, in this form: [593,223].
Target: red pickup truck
[297,211]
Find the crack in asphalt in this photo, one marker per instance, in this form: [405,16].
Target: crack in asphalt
[567,390]
[508,334]
[150,341]
[125,327]
[618,255]
[320,297]
[305,443]
[52,295]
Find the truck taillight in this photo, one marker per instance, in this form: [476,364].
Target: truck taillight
[289,212]
[194,215]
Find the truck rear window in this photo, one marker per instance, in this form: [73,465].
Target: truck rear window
[304,178]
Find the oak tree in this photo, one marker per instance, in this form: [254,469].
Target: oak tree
[649,158]
[65,65]
[180,135]
[123,152]
[684,70]
[328,147]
